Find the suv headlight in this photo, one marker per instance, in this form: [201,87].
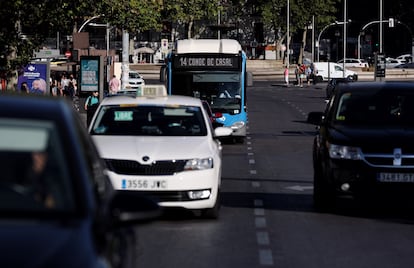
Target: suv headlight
[344,152]
[199,164]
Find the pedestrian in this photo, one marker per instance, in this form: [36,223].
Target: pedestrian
[64,82]
[286,75]
[308,73]
[114,85]
[297,74]
[72,79]
[91,104]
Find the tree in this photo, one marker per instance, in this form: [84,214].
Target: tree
[131,15]
[27,23]
[301,13]
[189,11]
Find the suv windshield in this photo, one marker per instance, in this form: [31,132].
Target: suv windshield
[148,120]
[376,108]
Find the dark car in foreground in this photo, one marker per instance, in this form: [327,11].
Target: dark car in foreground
[364,146]
[57,205]
[333,83]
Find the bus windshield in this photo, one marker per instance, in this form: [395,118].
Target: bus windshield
[222,90]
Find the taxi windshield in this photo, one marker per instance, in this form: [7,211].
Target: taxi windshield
[150,120]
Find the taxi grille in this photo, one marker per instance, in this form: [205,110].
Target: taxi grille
[131,167]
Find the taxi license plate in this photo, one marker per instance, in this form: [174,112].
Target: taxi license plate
[144,184]
[395,177]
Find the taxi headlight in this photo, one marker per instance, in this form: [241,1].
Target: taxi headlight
[344,152]
[237,125]
[199,164]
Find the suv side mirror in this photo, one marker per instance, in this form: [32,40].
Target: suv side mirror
[315,118]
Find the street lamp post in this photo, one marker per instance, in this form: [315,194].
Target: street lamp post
[345,20]
[287,35]
[326,27]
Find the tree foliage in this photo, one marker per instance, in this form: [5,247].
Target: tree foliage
[301,14]
[188,11]
[27,23]
[131,15]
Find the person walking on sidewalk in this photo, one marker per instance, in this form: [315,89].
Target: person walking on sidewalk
[114,85]
[91,104]
[286,75]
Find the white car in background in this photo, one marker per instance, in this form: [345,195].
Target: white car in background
[405,58]
[135,80]
[391,62]
[161,145]
[354,63]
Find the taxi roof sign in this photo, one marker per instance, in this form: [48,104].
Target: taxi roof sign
[151,91]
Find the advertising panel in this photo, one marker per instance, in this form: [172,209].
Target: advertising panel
[35,78]
[89,73]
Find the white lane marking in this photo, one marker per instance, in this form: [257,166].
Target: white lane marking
[262,238]
[253,172]
[252,161]
[255,184]
[259,212]
[265,257]
[260,222]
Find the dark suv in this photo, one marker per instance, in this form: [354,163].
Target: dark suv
[365,142]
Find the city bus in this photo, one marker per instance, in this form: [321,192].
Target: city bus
[213,70]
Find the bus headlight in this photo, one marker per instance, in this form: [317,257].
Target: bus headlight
[199,164]
[237,125]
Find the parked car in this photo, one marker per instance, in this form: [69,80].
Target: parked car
[327,70]
[392,63]
[408,65]
[405,58]
[57,205]
[354,63]
[364,146]
[162,145]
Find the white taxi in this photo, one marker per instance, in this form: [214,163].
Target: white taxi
[162,145]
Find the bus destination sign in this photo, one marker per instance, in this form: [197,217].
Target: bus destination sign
[207,62]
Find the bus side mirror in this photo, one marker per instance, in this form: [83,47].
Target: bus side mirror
[249,79]
[163,73]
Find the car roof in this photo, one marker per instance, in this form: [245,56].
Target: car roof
[374,86]
[121,99]
[35,106]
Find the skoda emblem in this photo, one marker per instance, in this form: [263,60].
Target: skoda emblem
[145,158]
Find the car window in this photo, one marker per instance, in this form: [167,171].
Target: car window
[134,75]
[34,169]
[147,120]
[390,108]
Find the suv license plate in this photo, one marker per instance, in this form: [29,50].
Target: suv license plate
[395,177]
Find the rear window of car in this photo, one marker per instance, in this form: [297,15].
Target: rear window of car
[376,108]
[149,120]
[34,169]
